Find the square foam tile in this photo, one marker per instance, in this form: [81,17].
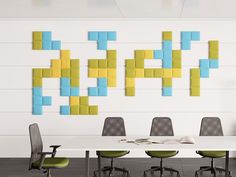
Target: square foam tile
[47,36]
[74,91]
[111,36]
[65,91]
[56,45]
[102,45]
[214,63]
[37,110]
[92,36]
[65,110]
[102,82]
[92,91]
[158,54]
[37,91]
[47,100]
[195,35]
[166,91]
[102,91]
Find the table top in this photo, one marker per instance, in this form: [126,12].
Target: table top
[83,143]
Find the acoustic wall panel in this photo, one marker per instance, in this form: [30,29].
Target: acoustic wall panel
[68,70]
[105,69]
[171,62]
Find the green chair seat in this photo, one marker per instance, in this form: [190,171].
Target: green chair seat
[212,154]
[161,154]
[112,154]
[56,162]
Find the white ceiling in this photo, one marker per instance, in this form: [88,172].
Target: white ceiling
[117,9]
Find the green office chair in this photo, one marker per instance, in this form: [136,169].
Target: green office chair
[113,126]
[38,158]
[211,126]
[161,126]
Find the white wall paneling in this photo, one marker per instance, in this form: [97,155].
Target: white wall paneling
[218,93]
[118,9]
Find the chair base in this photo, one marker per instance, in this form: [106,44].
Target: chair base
[111,169]
[213,169]
[161,169]
[48,171]
[157,168]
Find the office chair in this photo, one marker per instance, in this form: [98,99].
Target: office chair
[38,158]
[161,126]
[211,126]
[113,126]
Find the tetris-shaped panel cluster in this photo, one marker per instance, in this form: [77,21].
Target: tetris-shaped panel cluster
[105,72]
[42,40]
[187,37]
[79,106]
[171,64]
[204,68]
[102,37]
[68,71]
[38,99]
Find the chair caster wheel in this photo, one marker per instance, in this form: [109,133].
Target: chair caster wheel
[124,172]
[144,174]
[95,175]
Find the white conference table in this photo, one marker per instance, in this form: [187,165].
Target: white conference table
[112,143]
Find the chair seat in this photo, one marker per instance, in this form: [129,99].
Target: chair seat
[162,154]
[57,162]
[112,154]
[212,154]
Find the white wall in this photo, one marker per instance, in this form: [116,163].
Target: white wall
[17,60]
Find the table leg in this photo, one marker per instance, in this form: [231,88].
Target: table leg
[227,164]
[87,164]
[99,165]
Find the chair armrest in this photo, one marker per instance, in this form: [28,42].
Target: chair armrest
[43,155]
[54,149]
[55,146]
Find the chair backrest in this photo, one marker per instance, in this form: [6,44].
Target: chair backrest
[162,126]
[36,143]
[211,126]
[114,126]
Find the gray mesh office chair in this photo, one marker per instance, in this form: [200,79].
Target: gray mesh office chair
[38,158]
[113,126]
[161,126]
[211,126]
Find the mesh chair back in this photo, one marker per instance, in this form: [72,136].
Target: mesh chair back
[211,126]
[36,143]
[114,126]
[161,126]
